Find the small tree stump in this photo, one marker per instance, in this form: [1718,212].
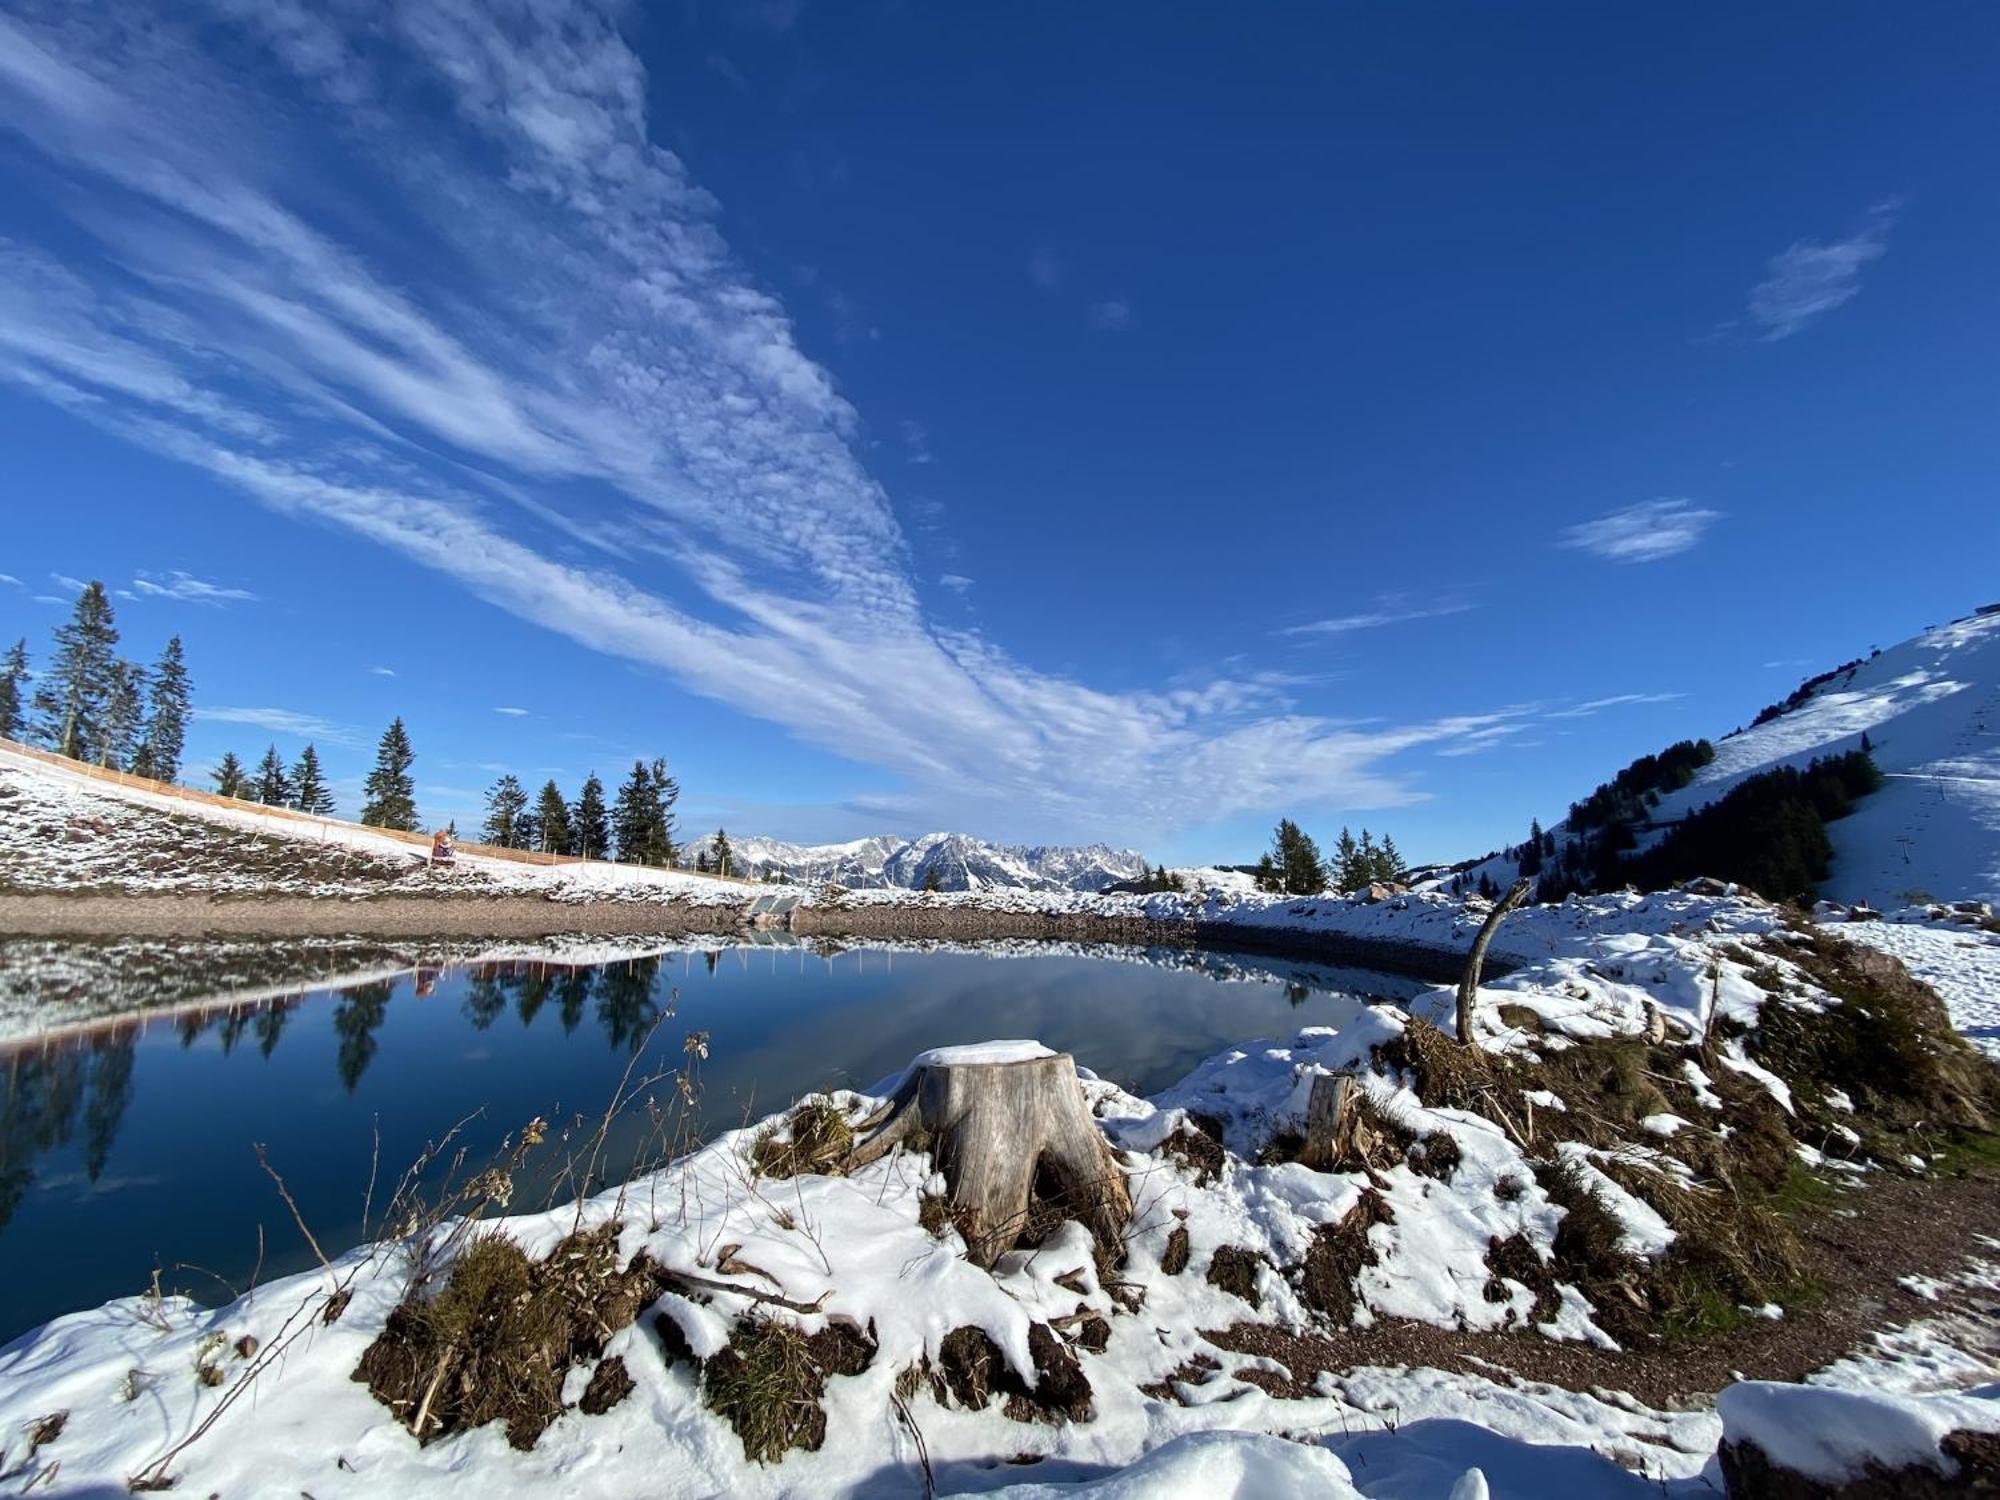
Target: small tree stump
[1330,1122]
[1011,1132]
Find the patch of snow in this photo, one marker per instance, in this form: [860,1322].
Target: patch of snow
[1833,1435]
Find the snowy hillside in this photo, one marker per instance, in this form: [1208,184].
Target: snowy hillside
[1931,710]
[959,862]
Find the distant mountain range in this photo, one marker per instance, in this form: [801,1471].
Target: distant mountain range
[961,863]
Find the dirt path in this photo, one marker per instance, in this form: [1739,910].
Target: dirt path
[102,915]
[40,915]
[1859,1248]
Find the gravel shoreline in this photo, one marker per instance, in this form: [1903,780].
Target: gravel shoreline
[47,915]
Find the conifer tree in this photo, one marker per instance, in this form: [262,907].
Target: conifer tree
[931,881]
[552,830]
[701,861]
[391,794]
[74,695]
[166,717]
[1348,874]
[13,677]
[1294,862]
[272,786]
[590,825]
[1389,866]
[632,816]
[504,806]
[124,717]
[665,793]
[309,789]
[231,780]
[724,855]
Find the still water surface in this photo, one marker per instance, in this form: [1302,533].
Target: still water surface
[132,1147]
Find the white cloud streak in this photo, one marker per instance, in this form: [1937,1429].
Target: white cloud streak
[1805,282]
[188,589]
[278,721]
[1393,609]
[591,366]
[1646,532]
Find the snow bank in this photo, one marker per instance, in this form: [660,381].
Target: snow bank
[1833,1435]
[1213,1466]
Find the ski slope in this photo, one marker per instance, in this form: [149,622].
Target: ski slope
[1930,707]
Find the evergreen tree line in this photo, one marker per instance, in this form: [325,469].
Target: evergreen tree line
[1636,790]
[301,785]
[93,705]
[1294,865]
[1768,832]
[638,825]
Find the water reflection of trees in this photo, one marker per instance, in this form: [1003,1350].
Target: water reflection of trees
[49,1092]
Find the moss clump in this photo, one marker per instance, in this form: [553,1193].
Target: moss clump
[816,1138]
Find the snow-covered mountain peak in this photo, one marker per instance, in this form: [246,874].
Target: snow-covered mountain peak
[949,861]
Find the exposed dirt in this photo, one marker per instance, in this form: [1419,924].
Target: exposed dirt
[1857,1248]
[43,915]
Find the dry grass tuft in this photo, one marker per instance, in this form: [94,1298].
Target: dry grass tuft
[815,1139]
[499,1334]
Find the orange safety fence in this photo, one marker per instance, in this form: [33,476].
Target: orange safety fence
[311,820]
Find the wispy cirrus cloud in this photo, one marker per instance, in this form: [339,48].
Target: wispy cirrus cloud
[512,713]
[279,721]
[1113,315]
[188,589]
[1810,278]
[568,385]
[1390,609]
[1616,700]
[1646,532]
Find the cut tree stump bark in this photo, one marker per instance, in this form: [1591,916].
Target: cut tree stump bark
[1013,1136]
[1333,1123]
[1468,984]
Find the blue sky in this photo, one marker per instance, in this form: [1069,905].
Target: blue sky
[1055,422]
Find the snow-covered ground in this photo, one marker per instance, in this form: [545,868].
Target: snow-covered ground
[1930,707]
[136,1379]
[1959,959]
[63,830]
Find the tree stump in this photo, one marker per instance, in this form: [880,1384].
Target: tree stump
[1336,1137]
[1011,1132]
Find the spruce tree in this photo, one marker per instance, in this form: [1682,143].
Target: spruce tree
[391,794]
[504,806]
[665,793]
[724,855]
[309,788]
[231,780]
[124,717]
[931,881]
[75,693]
[1389,866]
[632,815]
[590,824]
[552,821]
[271,786]
[13,677]
[1294,862]
[1348,874]
[166,717]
